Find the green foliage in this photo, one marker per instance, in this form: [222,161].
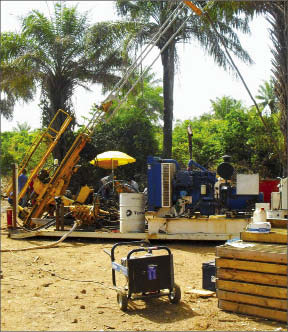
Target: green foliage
[224,105]
[267,96]
[130,132]
[147,96]
[134,130]
[149,17]
[14,146]
[22,127]
[205,142]
[17,76]
[58,53]
[264,157]
[230,129]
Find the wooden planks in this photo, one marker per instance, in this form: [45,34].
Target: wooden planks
[252,266]
[246,288]
[241,308]
[275,236]
[253,280]
[252,277]
[253,299]
[260,252]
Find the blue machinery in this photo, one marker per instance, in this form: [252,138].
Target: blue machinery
[176,192]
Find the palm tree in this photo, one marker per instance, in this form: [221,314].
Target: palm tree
[278,18]
[22,127]
[276,13]
[224,105]
[57,54]
[266,94]
[152,15]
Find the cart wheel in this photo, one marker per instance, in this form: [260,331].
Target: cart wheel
[175,294]
[122,300]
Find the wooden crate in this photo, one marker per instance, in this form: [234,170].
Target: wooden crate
[277,235]
[253,280]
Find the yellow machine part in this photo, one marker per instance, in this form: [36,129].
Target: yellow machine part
[39,186]
[22,212]
[83,194]
[67,201]
[85,213]
[56,191]
[197,10]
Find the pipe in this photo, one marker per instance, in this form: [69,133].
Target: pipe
[76,223]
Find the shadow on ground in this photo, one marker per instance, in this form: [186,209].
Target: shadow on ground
[160,310]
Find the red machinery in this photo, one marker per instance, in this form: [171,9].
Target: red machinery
[267,187]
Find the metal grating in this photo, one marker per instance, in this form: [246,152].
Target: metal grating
[166,173]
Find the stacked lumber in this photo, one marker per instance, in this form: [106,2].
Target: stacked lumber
[252,279]
[277,236]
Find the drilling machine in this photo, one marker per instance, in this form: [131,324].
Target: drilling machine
[53,182]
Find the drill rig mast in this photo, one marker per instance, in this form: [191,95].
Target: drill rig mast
[55,184]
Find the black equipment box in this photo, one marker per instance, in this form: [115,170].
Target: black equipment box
[209,276]
[146,274]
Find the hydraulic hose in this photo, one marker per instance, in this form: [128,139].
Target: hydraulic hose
[76,223]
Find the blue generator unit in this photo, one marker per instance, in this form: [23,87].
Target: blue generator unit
[180,192]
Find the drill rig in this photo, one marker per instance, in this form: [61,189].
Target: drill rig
[50,188]
[53,182]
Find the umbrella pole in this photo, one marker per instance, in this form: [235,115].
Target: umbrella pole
[112,176]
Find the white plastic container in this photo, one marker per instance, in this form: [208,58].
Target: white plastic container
[259,215]
[259,222]
[132,213]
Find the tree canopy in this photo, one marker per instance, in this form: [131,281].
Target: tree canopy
[149,17]
[57,54]
[233,129]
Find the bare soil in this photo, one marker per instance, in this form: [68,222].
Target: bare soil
[69,288]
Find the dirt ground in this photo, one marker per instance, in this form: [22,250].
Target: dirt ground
[69,288]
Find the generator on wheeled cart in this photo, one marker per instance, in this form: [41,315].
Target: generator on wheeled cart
[147,275]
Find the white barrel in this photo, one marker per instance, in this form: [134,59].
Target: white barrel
[132,213]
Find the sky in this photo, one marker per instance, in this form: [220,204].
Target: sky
[198,79]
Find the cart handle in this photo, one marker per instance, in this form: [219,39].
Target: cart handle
[148,249]
[125,243]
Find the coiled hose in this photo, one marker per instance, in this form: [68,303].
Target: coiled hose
[76,223]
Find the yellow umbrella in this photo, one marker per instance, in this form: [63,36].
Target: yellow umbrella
[112,159]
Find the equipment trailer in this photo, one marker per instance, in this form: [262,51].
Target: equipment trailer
[215,228]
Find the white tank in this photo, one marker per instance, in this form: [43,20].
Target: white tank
[132,213]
